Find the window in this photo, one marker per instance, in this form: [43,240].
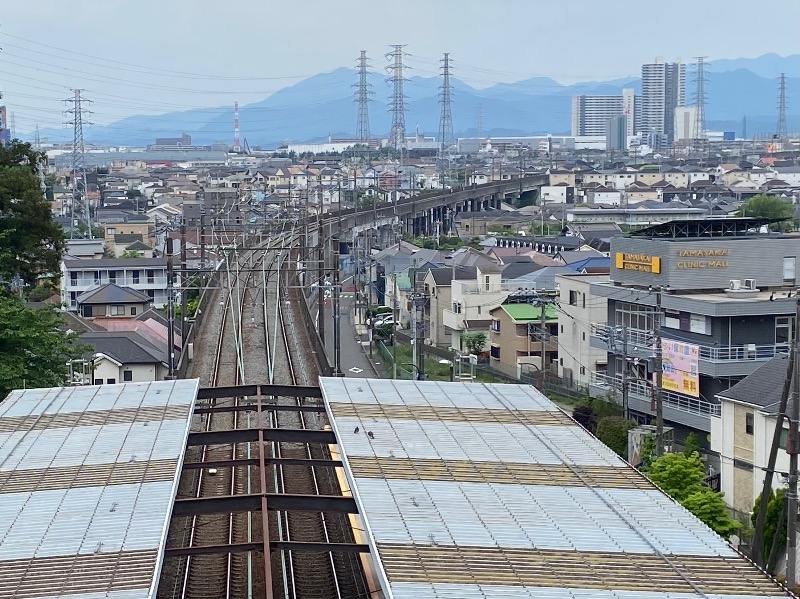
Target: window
[583,300]
[135,275]
[486,282]
[457,307]
[151,274]
[562,328]
[127,375]
[748,424]
[495,352]
[783,328]
[133,311]
[111,231]
[496,326]
[583,336]
[479,309]
[73,279]
[117,310]
[573,298]
[788,269]
[111,381]
[97,277]
[112,276]
[98,381]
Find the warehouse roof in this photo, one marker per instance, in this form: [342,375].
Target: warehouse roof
[475,491]
[87,480]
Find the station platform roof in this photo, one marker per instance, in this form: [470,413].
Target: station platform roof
[475,490]
[88,476]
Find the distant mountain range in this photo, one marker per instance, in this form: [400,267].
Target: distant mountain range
[322,105]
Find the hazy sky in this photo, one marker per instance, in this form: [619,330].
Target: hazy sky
[151,56]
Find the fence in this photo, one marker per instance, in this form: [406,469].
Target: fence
[206,297]
[313,334]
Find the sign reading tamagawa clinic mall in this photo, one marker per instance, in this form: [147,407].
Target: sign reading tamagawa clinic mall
[679,366]
[703,258]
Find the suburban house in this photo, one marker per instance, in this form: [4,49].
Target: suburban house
[124,357]
[472,301]
[111,300]
[517,337]
[742,431]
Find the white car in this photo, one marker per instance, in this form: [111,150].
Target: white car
[383,321]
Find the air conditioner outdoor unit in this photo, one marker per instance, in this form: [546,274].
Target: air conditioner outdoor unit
[749,283]
[735,284]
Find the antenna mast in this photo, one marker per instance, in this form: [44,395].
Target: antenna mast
[79,210]
[397,135]
[363,93]
[700,98]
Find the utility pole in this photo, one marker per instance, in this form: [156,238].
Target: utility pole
[793,448]
[80,209]
[321,283]
[625,367]
[394,326]
[337,330]
[184,288]
[659,377]
[170,311]
[363,93]
[397,134]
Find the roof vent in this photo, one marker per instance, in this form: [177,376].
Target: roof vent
[750,284]
[735,284]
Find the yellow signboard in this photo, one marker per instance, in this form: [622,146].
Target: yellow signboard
[640,262]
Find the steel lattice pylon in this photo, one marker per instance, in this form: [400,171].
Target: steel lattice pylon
[363,94]
[781,131]
[700,98]
[446,138]
[397,134]
[80,211]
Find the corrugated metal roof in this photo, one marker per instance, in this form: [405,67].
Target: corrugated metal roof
[87,480]
[488,491]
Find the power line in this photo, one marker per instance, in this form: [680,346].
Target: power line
[397,134]
[79,209]
[363,93]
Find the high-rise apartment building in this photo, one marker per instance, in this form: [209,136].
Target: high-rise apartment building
[591,114]
[685,123]
[617,133]
[663,90]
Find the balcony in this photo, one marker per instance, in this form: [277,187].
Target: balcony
[715,360]
[679,408]
[481,289]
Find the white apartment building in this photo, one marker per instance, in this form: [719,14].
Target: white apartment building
[579,309]
[591,114]
[148,275]
[663,90]
[472,301]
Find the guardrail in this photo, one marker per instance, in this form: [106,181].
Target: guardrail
[612,335]
[643,390]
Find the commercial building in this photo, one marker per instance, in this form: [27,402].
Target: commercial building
[663,90]
[721,290]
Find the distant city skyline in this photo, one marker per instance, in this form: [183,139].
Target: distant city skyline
[153,57]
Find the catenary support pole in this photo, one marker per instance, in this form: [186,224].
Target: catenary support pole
[793,448]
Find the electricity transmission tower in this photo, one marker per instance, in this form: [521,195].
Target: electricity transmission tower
[236,145]
[446,119]
[79,211]
[363,93]
[700,98]
[397,135]
[479,121]
[781,132]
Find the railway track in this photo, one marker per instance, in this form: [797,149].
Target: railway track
[261,339]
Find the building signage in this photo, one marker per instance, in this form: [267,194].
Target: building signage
[704,258]
[640,262]
[679,366]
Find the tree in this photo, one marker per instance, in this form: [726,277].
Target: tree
[691,444]
[42,292]
[32,240]
[774,508]
[585,416]
[613,431]
[762,206]
[682,477]
[474,342]
[33,349]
